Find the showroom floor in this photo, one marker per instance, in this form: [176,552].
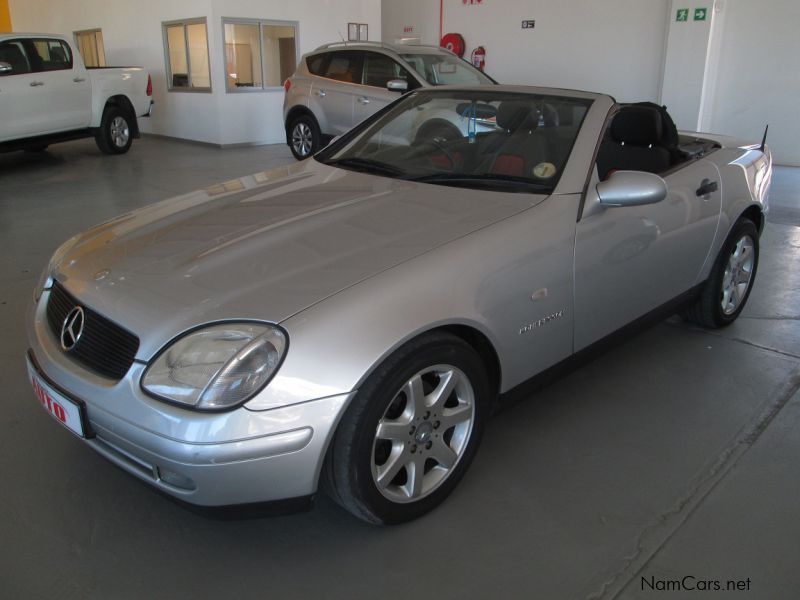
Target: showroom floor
[672,454]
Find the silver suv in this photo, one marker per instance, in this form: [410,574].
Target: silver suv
[339,85]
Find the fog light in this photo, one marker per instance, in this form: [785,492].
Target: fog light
[175,479]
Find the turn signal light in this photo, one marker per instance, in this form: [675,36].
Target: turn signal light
[149,86]
[287,85]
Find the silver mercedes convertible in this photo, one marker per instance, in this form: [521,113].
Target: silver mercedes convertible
[348,323]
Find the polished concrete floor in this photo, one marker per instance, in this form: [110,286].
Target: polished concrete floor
[674,454]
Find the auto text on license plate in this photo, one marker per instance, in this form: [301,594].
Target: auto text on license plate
[62,409]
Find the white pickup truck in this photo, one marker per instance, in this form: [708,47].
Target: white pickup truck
[47,95]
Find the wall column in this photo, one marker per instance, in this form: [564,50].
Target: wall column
[5,17]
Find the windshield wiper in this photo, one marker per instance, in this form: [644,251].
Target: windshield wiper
[485,180]
[367,165]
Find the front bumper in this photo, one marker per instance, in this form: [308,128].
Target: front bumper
[208,459]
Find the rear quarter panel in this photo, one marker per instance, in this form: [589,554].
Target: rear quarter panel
[130,82]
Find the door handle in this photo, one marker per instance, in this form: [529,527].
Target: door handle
[36,83]
[321,93]
[364,100]
[79,79]
[707,187]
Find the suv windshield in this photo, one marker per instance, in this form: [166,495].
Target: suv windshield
[446,69]
[504,141]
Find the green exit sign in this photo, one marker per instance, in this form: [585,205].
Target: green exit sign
[683,15]
[700,14]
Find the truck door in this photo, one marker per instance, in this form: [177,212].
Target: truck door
[66,83]
[23,102]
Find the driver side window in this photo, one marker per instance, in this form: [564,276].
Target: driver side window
[13,53]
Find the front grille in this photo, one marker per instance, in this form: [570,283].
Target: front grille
[104,346]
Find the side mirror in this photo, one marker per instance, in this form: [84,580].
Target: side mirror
[5,67]
[397,85]
[631,188]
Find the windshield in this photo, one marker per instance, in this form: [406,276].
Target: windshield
[446,69]
[483,140]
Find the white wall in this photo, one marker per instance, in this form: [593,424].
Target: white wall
[688,44]
[757,80]
[132,36]
[611,46]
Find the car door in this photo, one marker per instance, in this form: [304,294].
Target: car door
[23,103]
[379,69]
[631,260]
[334,94]
[64,81]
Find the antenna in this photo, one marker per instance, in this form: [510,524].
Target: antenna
[340,35]
[764,139]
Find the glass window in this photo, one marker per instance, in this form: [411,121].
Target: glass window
[379,69]
[51,55]
[13,53]
[345,66]
[259,54]
[475,139]
[90,45]
[445,69]
[242,55]
[316,64]
[187,55]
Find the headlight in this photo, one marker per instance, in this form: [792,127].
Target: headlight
[44,283]
[217,367]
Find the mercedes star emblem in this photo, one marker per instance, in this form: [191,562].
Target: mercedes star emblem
[72,329]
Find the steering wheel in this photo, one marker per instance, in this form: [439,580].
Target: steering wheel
[435,135]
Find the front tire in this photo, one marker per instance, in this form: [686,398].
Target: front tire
[728,287]
[115,135]
[411,432]
[304,136]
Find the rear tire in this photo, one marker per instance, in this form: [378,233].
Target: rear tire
[728,287]
[115,135]
[304,136]
[410,433]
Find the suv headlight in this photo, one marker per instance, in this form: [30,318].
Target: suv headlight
[217,367]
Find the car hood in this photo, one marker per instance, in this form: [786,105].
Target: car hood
[264,247]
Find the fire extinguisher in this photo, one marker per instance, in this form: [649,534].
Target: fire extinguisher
[479,57]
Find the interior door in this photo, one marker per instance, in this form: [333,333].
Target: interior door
[631,260]
[66,84]
[23,103]
[379,69]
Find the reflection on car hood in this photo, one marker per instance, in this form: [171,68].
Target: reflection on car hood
[264,246]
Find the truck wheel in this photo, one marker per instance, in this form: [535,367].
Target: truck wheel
[114,135]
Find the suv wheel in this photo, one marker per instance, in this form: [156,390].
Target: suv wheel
[304,137]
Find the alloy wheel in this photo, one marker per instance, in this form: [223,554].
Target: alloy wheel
[738,275]
[120,133]
[423,433]
[302,139]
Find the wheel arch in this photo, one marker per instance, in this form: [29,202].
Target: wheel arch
[123,102]
[755,214]
[294,112]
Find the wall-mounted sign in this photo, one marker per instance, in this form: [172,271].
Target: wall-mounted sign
[473,1]
[683,15]
[700,14]
[408,29]
[529,24]
[357,32]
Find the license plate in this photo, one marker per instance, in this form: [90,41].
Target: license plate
[67,412]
